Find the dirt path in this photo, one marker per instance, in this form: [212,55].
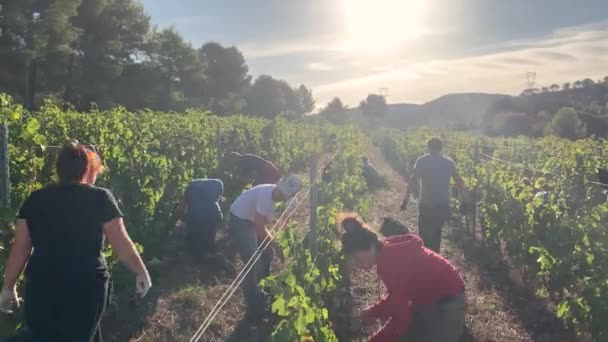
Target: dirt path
[183,295]
[496,310]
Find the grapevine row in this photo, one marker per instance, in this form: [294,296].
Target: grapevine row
[149,156]
[559,240]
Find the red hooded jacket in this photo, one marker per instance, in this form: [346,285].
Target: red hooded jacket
[411,273]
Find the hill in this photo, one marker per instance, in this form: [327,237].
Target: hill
[533,112]
[448,111]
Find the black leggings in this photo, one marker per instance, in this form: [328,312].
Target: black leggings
[70,314]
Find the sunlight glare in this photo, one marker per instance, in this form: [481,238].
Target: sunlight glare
[382,24]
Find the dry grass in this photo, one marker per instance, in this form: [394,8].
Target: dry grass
[181,299]
[497,310]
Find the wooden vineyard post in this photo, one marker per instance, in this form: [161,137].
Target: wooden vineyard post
[5,180]
[313,204]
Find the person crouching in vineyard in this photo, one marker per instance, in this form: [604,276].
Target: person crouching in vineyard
[67,278]
[433,172]
[249,215]
[201,212]
[250,168]
[425,300]
[373,178]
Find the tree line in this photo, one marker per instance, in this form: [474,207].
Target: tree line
[579,84]
[579,110]
[373,107]
[107,53]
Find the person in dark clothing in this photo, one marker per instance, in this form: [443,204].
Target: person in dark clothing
[425,293]
[65,224]
[433,172]
[373,178]
[202,215]
[392,227]
[252,168]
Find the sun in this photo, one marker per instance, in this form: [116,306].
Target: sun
[380,25]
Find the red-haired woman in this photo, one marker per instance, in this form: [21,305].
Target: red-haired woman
[60,234]
[425,300]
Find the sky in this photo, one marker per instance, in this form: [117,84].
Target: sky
[414,50]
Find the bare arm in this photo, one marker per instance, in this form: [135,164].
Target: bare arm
[20,254]
[123,246]
[260,223]
[414,179]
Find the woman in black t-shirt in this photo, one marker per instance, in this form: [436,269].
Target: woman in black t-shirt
[60,234]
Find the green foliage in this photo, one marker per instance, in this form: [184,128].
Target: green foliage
[106,53]
[560,238]
[269,97]
[305,99]
[150,157]
[534,112]
[311,294]
[335,111]
[374,106]
[566,124]
[227,78]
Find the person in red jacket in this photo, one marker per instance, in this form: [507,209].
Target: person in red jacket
[425,299]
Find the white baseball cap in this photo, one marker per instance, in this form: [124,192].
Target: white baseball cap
[289,186]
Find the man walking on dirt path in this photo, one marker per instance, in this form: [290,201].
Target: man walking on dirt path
[433,172]
[252,168]
[250,213]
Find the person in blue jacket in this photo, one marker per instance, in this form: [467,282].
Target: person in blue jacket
[200,210]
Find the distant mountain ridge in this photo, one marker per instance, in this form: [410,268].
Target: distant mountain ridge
[447,111]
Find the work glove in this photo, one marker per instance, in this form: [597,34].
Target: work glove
[143,283]
[8,299]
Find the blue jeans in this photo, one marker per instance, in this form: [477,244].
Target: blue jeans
[243,235]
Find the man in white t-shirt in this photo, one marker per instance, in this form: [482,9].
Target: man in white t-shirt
[250,213]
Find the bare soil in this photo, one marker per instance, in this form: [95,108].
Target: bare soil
[497,308]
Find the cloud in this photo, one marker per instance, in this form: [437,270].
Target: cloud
[517,61]
[316,66]
[287,48]
[331,43]
[566,55]
[557,56]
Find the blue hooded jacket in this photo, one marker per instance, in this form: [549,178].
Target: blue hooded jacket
[202,198]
